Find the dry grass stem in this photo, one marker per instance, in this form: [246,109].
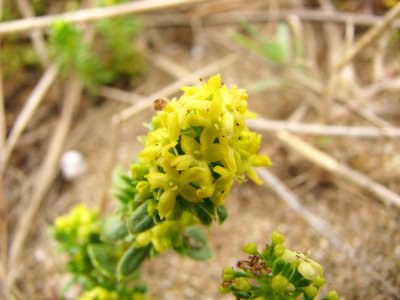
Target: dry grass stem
[323,228]
[312,219]
[370,36]
[164,63]
[309,15]
[92,14]
[118,94]
[3,125]
[27,112]
[325,130]
[47,173]
[329,164]
[39,44]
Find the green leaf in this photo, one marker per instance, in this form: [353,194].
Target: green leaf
[140,220]
[114,229]
[283,39]
[197,244]
[131,260]
[222,214]
[103,259]
[124,186]
[202,215]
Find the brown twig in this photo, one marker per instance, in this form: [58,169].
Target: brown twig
[369,37]
[325,130]
[165,63]
[3,203]
[310,15]
[92,14]
[324,229]
[118,95]
[328,163]
[47,172]
[312,219]
[32,103]
[36,35]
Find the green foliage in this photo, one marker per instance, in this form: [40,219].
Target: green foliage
[112,57]
[275,273]
[198,146]
[92,262]
[74,55]
[119,54]
[278,50]
[16,55]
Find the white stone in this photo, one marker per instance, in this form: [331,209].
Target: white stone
[72,164]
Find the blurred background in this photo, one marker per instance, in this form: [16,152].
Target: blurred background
[323,77]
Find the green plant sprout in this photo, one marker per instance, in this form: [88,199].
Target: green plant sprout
[278,50]
[92,259]
[114,56]
[275,273]
[197,147]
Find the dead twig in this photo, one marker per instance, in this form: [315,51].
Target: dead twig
[3,203]
[27,112]
[310,15]
[370,36]
[294,202]
[325,130]
[118,95]
[165,63]
[3,125]
[91,14]
[38,41]
[324,229]
[331,165]
[47,173]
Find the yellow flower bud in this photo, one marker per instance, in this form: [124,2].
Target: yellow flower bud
[167,202]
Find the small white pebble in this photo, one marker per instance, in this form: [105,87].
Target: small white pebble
[72,164]
[40,255]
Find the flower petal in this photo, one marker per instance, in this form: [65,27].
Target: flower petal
[189,144]
[158,180]
[189,193]
[167,202]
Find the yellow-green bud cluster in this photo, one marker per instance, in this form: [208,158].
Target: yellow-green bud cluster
[275,273]
[79,225]
[100,293]
[166,234]
[199,145]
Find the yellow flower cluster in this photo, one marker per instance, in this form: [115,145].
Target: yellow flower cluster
[99,293]
[275,273]
[166,234]
[80,223]
[200,145]
[307,267]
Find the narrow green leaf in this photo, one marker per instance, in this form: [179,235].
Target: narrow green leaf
[131,260]
[222,214]
[140,220]
[197,244]
[102,258]
[114,229]
[202,215]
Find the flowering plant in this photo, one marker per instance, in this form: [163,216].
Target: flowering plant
[197,147]
[275,273]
